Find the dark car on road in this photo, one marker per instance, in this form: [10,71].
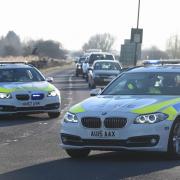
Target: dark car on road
[79,63]
[102,72]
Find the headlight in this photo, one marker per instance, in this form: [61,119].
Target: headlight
[79,66]
[150,118]
[5,96]
[52,94]
[70,118]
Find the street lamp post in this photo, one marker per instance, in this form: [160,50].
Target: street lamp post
[136,44]
[139,4]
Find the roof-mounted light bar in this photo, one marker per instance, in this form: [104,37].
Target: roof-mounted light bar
[13,62]
[162,62]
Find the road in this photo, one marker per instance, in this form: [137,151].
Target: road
[29,148]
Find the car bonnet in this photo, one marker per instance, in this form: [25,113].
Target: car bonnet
[25,86]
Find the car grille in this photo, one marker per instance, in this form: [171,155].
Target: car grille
[22,97]
[115,122]
[91,122]
[111,122]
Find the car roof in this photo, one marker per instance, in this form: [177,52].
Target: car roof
[106,53]
[112,61]
[14,65]
[164,68]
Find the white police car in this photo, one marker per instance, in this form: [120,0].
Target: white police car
[139,110]
[23,89]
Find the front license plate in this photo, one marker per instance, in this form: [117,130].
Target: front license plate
[103,134]
[31,103]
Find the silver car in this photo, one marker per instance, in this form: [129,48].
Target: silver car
[102,72]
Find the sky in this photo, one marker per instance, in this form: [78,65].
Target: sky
[73,22]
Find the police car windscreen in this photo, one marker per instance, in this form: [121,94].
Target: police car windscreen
[145,84]
[20,75]
[81,60]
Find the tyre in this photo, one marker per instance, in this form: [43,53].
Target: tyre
[77,74]
[93,85]
[78,153]
[174,141]
[54,114]
[86,78]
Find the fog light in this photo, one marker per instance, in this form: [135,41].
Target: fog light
[153,141]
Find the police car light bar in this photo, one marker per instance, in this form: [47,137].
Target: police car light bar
[13,62]
[162,62]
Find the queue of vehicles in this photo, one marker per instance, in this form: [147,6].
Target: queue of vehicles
[98,68]
[138,110]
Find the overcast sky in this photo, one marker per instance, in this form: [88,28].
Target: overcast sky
[72,22]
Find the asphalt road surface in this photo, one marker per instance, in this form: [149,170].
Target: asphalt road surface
[29,148]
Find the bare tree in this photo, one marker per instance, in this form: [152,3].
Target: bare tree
[173,47]
[10,44]
[154,53]
[100,41]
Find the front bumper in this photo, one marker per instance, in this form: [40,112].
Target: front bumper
[6,109]
[143,137]
[12,106]
[102,80]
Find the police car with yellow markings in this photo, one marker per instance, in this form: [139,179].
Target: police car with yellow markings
[23,89]
[139,110]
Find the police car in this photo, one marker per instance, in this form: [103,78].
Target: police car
[139,110]
[23,89]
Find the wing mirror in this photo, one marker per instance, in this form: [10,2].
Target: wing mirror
[95,92]
[49,79]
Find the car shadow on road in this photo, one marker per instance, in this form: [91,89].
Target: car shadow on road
[104,166]
[12,120]
[67,82]
[77,88]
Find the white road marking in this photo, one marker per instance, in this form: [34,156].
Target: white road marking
[4,144]
[69,98]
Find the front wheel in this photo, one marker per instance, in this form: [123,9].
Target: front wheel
[92,86]
[174,141]
[54,114]
[78,153]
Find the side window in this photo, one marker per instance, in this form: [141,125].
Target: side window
[177,81]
